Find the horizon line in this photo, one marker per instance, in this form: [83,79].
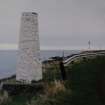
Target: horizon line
[8,46]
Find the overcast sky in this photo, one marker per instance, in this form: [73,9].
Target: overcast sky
[63,24]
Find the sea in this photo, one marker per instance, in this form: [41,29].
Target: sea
[8,59]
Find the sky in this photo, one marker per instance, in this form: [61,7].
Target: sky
[63,24]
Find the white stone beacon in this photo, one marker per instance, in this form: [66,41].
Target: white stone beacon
[29,66]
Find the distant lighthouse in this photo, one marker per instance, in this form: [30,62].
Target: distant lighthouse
[29,67]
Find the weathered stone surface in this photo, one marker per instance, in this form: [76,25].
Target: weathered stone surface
[29,65]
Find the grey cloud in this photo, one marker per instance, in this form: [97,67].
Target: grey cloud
[61,22]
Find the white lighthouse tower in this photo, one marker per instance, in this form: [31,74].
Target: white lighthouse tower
[28,65]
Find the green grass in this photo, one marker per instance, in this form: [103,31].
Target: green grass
[85,85]
[52,73]
[18,100]
[85,77]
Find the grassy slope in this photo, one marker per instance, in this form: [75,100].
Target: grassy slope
[84,79]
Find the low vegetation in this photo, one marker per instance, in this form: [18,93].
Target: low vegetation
[88,80]
[85,85]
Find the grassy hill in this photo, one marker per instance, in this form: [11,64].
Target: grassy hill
[85,85]
[88,80]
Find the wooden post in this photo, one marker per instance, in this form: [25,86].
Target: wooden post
[62,69]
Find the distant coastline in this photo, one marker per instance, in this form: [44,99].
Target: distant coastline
[8,59]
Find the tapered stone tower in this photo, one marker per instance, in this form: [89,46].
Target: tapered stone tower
[28,65]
